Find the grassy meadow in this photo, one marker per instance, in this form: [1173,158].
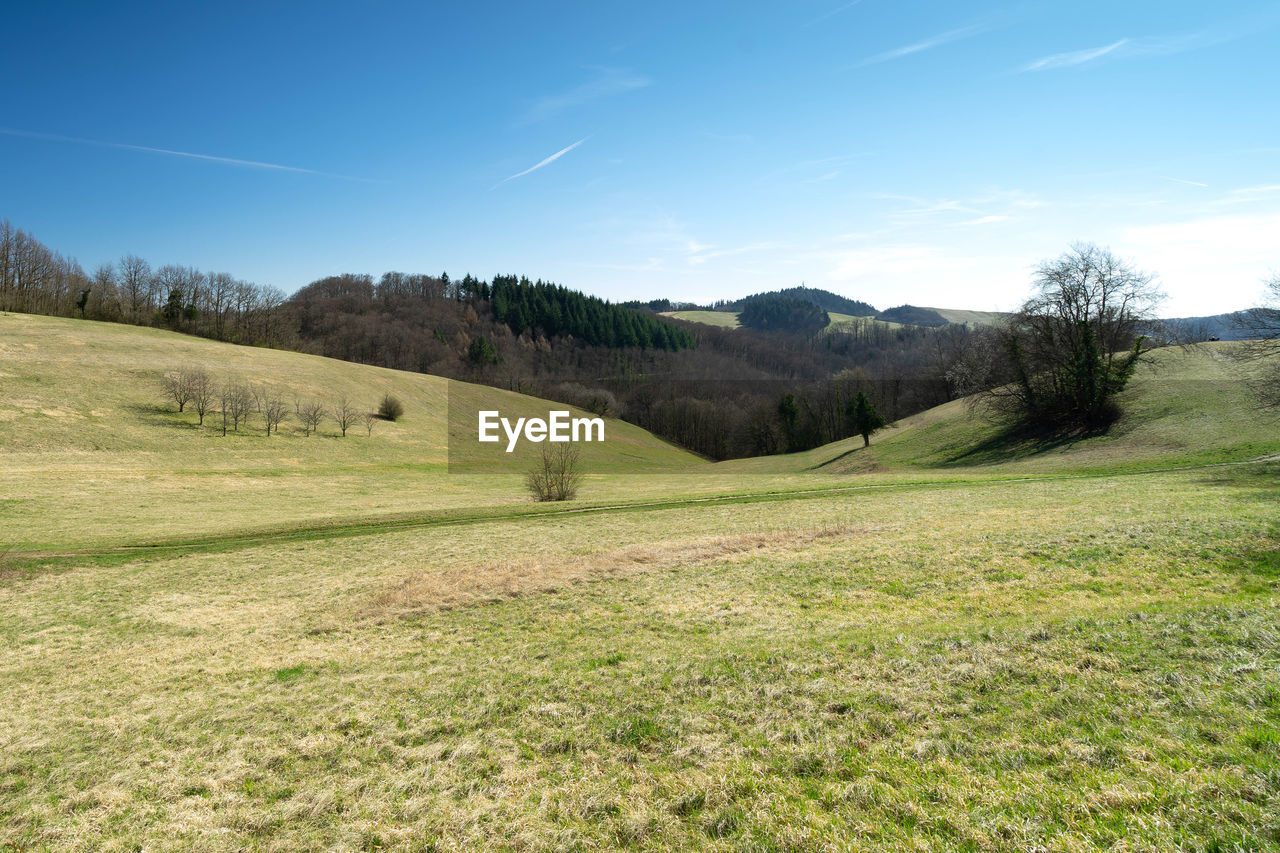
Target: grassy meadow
[948,641]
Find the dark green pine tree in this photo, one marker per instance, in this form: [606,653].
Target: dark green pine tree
[863,418]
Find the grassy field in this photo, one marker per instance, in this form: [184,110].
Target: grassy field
[972,318]
[729,319]
[948,641]
[724,319]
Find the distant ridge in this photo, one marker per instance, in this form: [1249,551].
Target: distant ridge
[824,299]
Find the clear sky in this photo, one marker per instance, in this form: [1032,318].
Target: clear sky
[922,152]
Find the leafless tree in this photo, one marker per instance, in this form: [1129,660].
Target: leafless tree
[274,410]
[134,279]
[345,413]
[1261,327]
[237,403]
[367,420]
[309,414]
[557,475]
[177,386]
[1059,361]
[202,392]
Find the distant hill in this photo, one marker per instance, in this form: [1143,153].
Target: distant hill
[1219,327]
[782,314]
[913,316]
[969,318]
[824,299]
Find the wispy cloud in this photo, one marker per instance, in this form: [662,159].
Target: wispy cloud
[607,83]
[984,220]
[1248,195]
[1184,181]
[1165,45]
[700,253]
[124,146]
[831,14]
[1075,57]
[921,46]
[544,162]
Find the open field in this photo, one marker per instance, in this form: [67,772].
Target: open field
[948,641]
[724,319]
[972,318]
[729,319]
[929,666]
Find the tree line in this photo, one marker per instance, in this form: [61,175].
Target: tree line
[715,391]
[231,402]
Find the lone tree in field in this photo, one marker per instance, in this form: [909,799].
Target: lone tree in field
[557,475]
[864,420]
[345,413]
[367,420]
[1058,362]
[1262,328]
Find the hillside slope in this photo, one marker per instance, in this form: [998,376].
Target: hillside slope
[1186,406]
[84,424]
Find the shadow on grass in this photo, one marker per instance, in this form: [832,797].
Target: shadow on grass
[834,459]
[1260,480]
[155,414]
[1011,444]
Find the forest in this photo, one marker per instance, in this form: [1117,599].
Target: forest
[721,392]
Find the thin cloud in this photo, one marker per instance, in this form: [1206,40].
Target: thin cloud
[831,14]
[1166,45]
[700,253]
[545,162]
[921,46]
[1075,57]
[146,149]
[608,83]
[1184,181]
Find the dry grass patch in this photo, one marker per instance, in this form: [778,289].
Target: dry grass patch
[446,587]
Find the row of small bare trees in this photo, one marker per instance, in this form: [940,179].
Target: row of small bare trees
[235,401]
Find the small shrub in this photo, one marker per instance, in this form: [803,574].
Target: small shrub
[390,409]
[557,475]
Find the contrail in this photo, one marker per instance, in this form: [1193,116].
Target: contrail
[231,161]
[554,157]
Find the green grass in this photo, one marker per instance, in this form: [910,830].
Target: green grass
[950,641]
[948,667]
[729,319]
[724,319]
[970,318]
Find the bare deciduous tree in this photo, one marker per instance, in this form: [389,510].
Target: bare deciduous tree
[345,413]
[1261,326]
[202,392]
[236,400]
[367,420]
[274,410]
[134,279]
[1059,361]
[557,475]
[177,386]
[309,414]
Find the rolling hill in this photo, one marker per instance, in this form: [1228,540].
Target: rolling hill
[947,641]
[84,424]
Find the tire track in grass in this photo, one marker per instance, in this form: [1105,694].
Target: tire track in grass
[18,564]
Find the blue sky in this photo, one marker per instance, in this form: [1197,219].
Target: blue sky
[922,152]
